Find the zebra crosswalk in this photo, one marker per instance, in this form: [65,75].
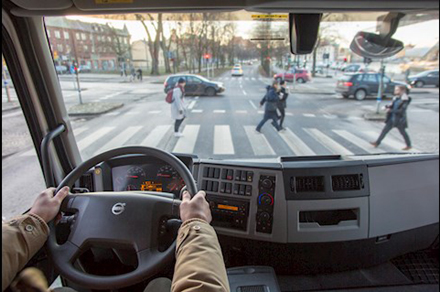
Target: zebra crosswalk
[222,140]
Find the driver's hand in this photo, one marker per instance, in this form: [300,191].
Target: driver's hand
[47,205]
[195,208]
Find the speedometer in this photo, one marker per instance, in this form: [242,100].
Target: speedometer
[134,177]
[170,178]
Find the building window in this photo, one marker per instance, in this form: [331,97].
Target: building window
[57,34]
[125,41]
[83,36]
[78,36]
[60,48]
[68,49]
[109,39]
[66,35]
[86,48]
[48,33]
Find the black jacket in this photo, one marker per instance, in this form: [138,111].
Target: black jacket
[282,104]
[271,100]
[400,118]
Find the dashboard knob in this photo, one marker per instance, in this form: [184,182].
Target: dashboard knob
[266,200]
[264,216]
[267,183]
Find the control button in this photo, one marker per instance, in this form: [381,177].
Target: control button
[236,189]
[242,190]
[206,172]
[211,172]
[215,186]
[209,187]
[266,200]
[249,191]
[229,188]
[267,183]
[205,185]
[230,175]
[238,175]
[224,173]
[217,173]
[223,187]
[264,216]
[243,176]
[212,205]
[250,176]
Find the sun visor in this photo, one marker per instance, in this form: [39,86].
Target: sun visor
[43,4]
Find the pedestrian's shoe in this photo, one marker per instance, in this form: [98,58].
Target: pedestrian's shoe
[407,148]
[178,135]
[375,145]
[258,132]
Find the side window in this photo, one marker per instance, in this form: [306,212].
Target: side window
[359,78]
[372,78]
[386,80]
[193,80]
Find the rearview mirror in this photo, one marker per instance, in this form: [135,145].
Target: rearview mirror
[304,30]
[374,46]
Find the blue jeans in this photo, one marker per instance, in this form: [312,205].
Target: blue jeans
[269,116]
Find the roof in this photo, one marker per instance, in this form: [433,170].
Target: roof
[65,23]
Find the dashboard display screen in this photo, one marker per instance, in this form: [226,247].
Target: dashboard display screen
[147,177]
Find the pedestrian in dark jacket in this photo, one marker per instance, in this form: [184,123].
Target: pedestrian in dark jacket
[282,104]
[271,100]
[396,117]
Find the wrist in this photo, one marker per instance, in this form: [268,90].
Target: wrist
[189,221]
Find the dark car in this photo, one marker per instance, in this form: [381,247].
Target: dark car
[424,79]
[361,85]
[195,85]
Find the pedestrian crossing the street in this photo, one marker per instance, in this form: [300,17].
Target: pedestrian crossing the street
[300,142]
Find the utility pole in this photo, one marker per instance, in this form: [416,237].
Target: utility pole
[5,81]
[381,76]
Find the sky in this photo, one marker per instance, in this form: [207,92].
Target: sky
[425,34]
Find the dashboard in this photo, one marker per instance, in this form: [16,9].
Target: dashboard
[296,199]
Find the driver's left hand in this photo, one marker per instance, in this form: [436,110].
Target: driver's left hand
[46,205]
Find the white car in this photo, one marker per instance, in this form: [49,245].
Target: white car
[237,71]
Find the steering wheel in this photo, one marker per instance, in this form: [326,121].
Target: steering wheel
[117,219]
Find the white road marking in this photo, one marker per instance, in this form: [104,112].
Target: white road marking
[309,115]
[154,112]
[192,105]
[389,141]
[113,114]
[260,112]
[113,95]
[12,115]
[253,78]
[223,141]
[253,104]
[296,144]
[197,97]
[289,114]
[133,113]
[93,137]
[29,153]
[187,143]
[219,111]
[119,140]
[328,142]
[331,117]
[241,112]
[244,92]
[153,139]
[197,111]
[259,143]
[353,118]
[357,141]
[78,131]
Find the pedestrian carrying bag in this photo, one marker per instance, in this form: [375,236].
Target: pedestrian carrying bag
[169,98]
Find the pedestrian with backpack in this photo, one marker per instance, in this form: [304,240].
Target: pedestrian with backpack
[271,100]
[175,97]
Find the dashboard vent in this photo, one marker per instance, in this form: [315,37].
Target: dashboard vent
[309,184]
[348,182]
[86,181]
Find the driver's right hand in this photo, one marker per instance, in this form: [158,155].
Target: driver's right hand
[195,208]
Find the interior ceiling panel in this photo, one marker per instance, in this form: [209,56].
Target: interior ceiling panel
[43,4]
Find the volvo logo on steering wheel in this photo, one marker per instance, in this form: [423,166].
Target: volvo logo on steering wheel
[118,208]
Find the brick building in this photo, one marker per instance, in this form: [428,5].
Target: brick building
[97,47]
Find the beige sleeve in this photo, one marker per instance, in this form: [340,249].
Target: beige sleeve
[199,260]
[22,237]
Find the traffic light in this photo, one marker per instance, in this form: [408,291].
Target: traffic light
[345,60]
[207,56]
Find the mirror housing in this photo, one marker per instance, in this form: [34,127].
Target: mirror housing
[371,45]
[303,31]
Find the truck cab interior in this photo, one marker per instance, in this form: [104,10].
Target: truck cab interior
[289,223]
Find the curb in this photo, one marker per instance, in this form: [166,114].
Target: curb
[94,114]
[375,117]
[10,108]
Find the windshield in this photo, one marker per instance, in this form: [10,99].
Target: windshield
[115,72]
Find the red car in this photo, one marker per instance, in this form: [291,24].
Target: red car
[301,76]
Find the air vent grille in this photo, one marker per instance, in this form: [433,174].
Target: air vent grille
[309,184]
[86,181]
[349,182]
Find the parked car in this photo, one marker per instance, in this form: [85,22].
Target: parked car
[424,79]
[195,85]
[237,70]
[62,69]
[301,76]
[352,68]
[85,69]
[362,85]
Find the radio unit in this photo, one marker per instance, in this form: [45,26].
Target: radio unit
[226,213]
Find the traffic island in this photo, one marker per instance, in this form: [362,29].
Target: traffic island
[377,117]
[93,108]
